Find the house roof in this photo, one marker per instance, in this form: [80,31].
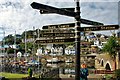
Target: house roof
[5,46]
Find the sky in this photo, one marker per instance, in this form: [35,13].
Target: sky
[17,16]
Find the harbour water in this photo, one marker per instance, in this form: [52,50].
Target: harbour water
[65,67]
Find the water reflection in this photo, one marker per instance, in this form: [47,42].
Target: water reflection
[67,68]
[64,68]
[23,69]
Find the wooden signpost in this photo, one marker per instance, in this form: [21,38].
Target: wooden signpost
[52,32]
[45,9]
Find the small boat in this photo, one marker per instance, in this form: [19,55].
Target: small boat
[33,62]
[52,65]
[53,60]
[69,61]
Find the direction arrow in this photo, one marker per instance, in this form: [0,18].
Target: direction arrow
[57,35]
[89,22]
[92,28]
[49,12]
[68,25]
[57,31]
[52,9]
[99,28]
[59,41]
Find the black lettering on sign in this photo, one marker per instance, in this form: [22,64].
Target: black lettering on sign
[69,25]
[46,41]
[98,28]
[57,35]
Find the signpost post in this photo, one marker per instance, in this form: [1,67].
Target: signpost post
[77,40]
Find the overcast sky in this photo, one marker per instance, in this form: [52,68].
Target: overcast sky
[18,15]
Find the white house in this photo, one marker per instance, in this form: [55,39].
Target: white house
[99,44]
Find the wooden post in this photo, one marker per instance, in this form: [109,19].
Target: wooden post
[77,40]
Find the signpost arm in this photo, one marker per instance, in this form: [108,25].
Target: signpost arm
[77,40]
[52,9]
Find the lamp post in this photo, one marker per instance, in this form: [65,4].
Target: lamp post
[39,53]
[25,45]
[34,34]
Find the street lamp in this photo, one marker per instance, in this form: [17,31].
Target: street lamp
[34,34]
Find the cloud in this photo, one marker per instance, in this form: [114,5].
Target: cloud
[100,11]
[18,14]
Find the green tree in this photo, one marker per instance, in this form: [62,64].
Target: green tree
[29,34]
[29,47]
[18,39]
[9,40]
[30,72]
[111,48]
[10,51]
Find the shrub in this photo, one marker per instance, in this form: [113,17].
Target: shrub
[30,72]
[117,73]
